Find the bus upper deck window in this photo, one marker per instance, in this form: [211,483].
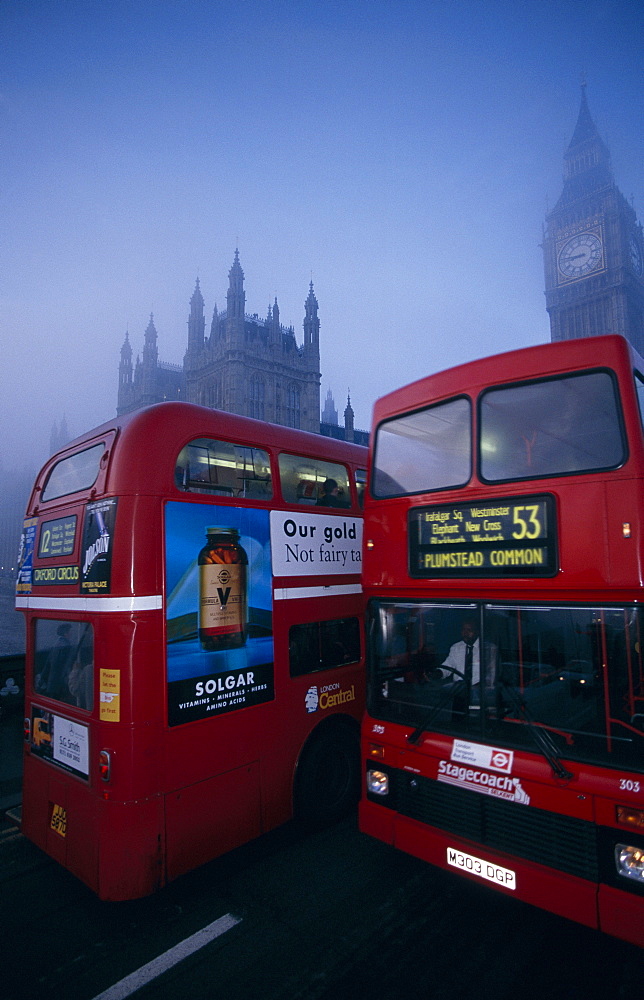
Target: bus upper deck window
[423,451]
[553,427]
[221,468]
[313,482]
[73,473]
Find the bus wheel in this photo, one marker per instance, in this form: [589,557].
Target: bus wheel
[327,783]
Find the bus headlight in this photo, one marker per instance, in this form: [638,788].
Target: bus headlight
[377,783]
[630,861]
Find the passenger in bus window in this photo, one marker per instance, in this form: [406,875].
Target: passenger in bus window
[330,496]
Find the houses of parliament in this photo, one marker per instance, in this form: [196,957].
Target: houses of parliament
[593,253]
[247,365]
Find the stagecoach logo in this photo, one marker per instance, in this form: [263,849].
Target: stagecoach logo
[499,786]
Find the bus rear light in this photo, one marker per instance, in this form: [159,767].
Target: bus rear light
[26,729]
[376,751]
[626,529]
[630,817]
[377,783]
[630,862]
[105,765]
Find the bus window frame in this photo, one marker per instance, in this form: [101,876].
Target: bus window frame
[639,392]
[575,744]
[320,627]
[560,376]
[282,457]
[107,440]
[68,460]
[467,398]
[216,492]
[86,642]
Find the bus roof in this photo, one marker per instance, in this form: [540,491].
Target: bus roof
[538,361]
[159,432]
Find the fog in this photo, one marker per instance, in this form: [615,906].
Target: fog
[403,155]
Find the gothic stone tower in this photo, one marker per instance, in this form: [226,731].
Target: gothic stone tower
[247,365]
[149,380]
[254,366]
[593,248]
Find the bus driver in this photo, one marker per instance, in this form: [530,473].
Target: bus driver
[463,662]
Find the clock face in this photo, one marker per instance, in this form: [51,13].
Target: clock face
[580,255]
[635,255]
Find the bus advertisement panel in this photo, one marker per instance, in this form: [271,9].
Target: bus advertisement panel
[218,609]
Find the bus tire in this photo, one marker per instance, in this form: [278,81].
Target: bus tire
[327,781]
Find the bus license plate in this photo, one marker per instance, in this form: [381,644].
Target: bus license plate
[483,869]
[59,820]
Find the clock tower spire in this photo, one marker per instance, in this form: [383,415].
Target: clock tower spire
[593,246]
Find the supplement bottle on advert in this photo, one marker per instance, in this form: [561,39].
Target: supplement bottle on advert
[223,595]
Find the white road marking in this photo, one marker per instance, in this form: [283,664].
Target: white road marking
[173,956]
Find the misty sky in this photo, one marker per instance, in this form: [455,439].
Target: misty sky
[402,154]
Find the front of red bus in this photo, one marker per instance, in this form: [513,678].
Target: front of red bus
[503,568]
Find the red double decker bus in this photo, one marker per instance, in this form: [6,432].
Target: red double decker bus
[191,587]
[503,567]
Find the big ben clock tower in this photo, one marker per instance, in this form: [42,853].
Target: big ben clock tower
[593,248]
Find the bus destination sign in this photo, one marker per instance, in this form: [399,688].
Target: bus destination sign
[508,537]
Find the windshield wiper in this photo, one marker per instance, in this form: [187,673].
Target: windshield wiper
[540,737]
[447,694]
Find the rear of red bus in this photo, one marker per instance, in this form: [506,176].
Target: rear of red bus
[155,741]
[88,616]
[503,567]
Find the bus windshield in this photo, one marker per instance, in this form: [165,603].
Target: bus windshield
[573,671]
[427,450]
[550,428]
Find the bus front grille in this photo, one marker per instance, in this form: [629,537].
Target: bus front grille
[561,842]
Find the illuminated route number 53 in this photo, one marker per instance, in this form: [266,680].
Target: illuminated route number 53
[526,519]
